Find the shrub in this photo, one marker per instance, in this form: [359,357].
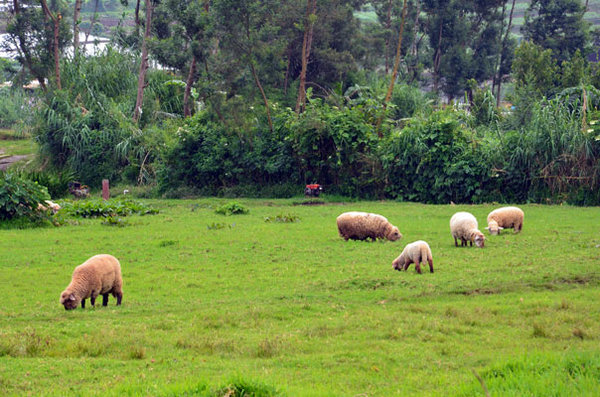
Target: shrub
[20,197]
[437,160]
[15,108]
[106,209]
[232,208]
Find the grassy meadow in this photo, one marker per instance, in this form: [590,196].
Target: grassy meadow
[225,305]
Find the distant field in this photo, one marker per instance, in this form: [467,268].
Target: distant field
[215,305]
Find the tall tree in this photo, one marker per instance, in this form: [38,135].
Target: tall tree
[557,25]
[183,32]
[465,37]
[505,55]
[36,38]
[309,23]
[55,39]
[143,63]
[245,30]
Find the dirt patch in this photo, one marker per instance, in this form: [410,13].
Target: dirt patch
[10,160]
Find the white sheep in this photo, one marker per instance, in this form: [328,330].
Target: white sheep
[363,225]
[99,275]
[463,226]
[416,253]
[505,217]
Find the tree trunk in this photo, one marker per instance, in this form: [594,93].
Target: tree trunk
[56,22]
[388,26]
[137,12]
[76,14]
[22,46]
[92,22]
[311,9]
[504,43]
[395,71]
[188,88]
[414,45]
[262,92]
[287,70]
[143,64]
[498,57]
[437,60]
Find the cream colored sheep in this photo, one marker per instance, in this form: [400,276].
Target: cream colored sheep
[416,253]
[463,226]
[99,275]
[505,217]
[362,225]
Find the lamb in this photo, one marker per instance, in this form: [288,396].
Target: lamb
[505,217]
[99,275]
[416,253]
[463,226]
[362,225]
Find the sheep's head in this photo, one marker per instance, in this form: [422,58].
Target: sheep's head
[478,238]
[398,263]
[493,227]
[394,234]
[69,300]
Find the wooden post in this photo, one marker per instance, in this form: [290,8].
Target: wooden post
[105,189]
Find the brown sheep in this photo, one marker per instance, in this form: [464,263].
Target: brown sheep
[99,275]
[362,225]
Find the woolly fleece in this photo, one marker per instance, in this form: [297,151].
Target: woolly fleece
[362,225]
[99,275]
[505,218]
[463,226]
[416,253]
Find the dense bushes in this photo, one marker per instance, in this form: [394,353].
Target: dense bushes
[435,157]
[20,197]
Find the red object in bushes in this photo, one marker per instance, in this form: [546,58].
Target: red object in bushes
[313,190]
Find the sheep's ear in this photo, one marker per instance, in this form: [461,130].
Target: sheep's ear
[72,297]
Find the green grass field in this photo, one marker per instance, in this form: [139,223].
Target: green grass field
[12,144]
[217,305]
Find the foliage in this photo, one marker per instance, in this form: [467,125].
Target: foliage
[283,218]
[114,221]
[57,183]
[437,159]
[20,197]
[232,208]
[31,35]
[99,208]
[15,108]
[557,25]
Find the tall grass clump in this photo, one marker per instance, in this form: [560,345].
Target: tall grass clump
[86,127]
[552,157]
[16,108]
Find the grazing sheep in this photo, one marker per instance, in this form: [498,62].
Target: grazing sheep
[99,275]
[50,205]
[416,253]
[505,217]
[463,226]
[362,225]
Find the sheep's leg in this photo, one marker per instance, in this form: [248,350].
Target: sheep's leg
[105,299]
[456,242]
[418,266]
[83,303]
[406,265]
[119,297]
[430,264]
[93,300]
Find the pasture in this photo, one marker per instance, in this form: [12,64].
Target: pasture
[226,305]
